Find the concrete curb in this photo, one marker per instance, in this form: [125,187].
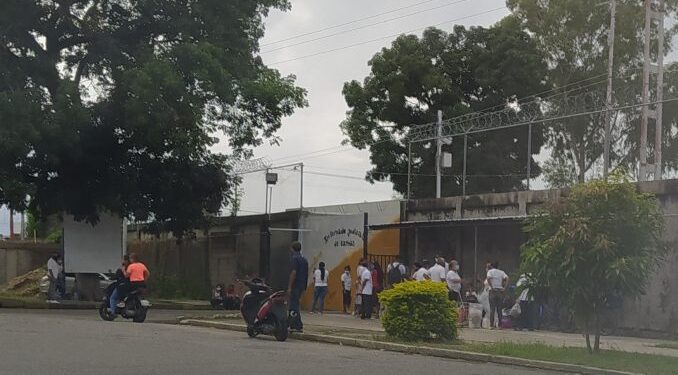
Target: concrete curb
[70,305]
[423,350]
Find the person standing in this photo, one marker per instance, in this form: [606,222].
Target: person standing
[359,286]
[320,277]
[297,283]
[497,280]
[53,274]
[61,281]
[367,292]
[526,300]
[377,286]
[454,282]
[347,285]
[396,272]
[437,272]
[421,273]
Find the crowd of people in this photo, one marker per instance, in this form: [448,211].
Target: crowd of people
[361,289]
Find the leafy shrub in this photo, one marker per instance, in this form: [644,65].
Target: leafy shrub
[416,311]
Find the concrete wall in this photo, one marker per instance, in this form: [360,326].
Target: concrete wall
[657,310]
[17,258]
[500,237]
[175,263]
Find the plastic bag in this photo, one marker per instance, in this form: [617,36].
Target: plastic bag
[515,310]
[484,299]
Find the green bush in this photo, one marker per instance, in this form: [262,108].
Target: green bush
[416,311]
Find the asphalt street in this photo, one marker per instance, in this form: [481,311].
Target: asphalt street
[77,342]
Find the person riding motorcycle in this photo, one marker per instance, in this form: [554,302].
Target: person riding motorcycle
[121,285]
[137,273]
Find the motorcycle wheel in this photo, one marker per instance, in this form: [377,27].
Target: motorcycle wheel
[140,315]
[251,332]
[281,330]
[105,314]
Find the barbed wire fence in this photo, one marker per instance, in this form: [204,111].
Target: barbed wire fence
[589,100]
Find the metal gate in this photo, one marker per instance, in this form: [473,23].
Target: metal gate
[383,260]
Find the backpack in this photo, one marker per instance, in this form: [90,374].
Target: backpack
[394,275]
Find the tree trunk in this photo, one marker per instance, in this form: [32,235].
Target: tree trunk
[596,328]
[587,330]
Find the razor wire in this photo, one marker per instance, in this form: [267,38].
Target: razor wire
[570,104]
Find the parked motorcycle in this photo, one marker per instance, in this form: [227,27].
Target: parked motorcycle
[264,311]
[136,307]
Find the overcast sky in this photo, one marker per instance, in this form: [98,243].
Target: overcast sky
[312,135]
[317,127]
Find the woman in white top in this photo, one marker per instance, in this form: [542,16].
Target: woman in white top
[320,277]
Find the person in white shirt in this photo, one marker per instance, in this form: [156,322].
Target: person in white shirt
[421,273]
[446,264]
[454,282]
[366,283]
[320,277]
[497,280]
[526,300]
[437,272]
[346,282]
[53,274]
[361,268]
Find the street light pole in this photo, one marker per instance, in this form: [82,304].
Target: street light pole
[439,147]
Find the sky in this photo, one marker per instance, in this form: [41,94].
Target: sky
[317,127]
[334,173]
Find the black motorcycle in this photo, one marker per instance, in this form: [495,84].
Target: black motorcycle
[136,307]
[264,312]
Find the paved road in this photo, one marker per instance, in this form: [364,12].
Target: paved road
[65,342]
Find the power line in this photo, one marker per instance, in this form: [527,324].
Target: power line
[307,153]
[387,37]
[363,27]
[348,23]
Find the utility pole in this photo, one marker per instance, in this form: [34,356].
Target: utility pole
[654,11]
[439,153]
[22,236]
[11,224]
[608,103]
[268,170]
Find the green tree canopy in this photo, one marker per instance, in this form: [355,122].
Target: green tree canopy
[573,35]
[601,241]
[459,72]
[113,104]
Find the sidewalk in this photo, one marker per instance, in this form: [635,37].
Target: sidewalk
[332,322]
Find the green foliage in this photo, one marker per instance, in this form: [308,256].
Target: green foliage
[55,236]
[464,71]
[573,34]
[600,242]
[114,105]
[416,311]
[559,175]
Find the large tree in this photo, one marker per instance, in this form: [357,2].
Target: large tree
[573,35]
[463,71]
[113,105]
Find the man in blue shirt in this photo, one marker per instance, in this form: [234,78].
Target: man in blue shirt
[297,285]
